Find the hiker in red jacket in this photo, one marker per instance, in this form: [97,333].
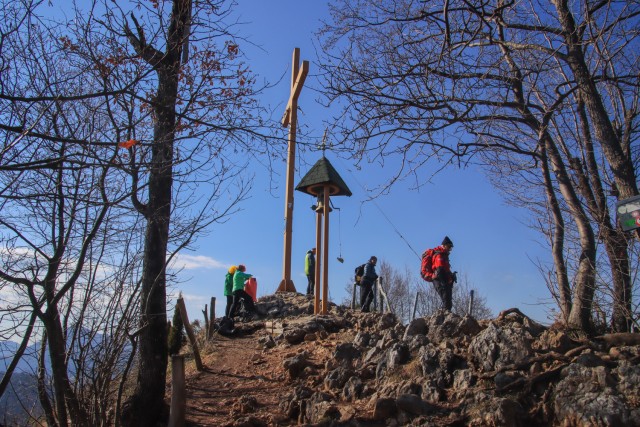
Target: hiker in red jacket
[443,278]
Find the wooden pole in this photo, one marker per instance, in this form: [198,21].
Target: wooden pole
[298,76]
[212,315]
[207,327]
[325,266]
[178,393]
[190,334]
[316,291]
[415,306]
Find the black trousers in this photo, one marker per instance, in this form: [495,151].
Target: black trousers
[238,295]
[311,283]
[366,294]
[446,293]
[227,309]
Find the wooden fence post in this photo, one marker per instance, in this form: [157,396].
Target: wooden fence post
[212,315]
[178,393]
[207,327]
[415,306]
[470,303]
[190,334]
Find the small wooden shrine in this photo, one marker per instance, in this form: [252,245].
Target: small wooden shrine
[322,181]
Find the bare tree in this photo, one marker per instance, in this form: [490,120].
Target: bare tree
[108,121]
[56,241]
[544,96]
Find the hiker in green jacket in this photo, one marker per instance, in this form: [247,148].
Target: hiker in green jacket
[310,270]
[228,289]
[239,277]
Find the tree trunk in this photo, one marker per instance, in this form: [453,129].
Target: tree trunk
[146,406]
[557,241]
[613,238]
[66,400]
[43,397]
[620,163]
[584,288]
[616,247]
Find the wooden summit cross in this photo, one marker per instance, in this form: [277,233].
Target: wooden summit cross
[298,75]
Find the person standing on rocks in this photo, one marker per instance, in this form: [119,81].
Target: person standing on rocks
[443,278]
[366,284]
[239,277]
[228,289]
[310,270]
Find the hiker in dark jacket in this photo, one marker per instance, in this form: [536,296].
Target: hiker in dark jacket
[443,278]
[366,284]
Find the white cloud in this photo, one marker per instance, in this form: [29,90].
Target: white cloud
[192,262]
[192,298]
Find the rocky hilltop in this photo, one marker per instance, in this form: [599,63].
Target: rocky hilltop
[367,369]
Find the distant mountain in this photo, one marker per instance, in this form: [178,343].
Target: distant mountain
[28,362]
[21,397]
[20,401]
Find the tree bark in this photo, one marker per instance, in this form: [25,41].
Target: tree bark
[557,241]
[613,238]
[146,405]
[43,397]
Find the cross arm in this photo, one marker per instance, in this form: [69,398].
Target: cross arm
[295,92]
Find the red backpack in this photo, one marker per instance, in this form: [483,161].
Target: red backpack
[426,265]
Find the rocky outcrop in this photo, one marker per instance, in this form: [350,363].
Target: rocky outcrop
[448,370]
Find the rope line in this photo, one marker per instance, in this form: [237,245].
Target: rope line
[381,211]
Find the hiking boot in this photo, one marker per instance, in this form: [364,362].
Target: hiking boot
[255,316]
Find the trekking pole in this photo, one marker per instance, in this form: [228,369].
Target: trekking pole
[353,296]
[375,296]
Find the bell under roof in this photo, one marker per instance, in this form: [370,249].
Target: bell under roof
[321,175]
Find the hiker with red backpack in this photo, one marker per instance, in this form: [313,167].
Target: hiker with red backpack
[435,268]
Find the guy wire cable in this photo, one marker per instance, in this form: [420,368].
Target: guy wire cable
[381,211]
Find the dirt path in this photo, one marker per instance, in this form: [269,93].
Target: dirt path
[240,382]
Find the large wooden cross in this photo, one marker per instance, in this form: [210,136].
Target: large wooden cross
[298,75]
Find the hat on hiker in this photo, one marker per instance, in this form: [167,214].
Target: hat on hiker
[232,269]
[447,241]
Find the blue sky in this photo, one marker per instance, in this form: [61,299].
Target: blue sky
[493,246]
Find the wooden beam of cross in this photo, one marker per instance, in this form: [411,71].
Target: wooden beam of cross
[298,76]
